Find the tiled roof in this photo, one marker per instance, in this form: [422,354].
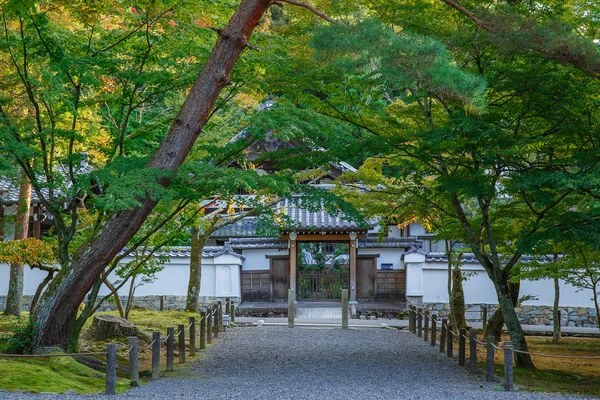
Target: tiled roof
[389,243]
[257,243]
[208,252]
[470,258]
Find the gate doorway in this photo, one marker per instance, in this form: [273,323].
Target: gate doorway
[365,278]
[280,277]
[323,270]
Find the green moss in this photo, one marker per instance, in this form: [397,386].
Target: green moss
[52,374]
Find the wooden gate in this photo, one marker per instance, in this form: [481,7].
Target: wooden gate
[325,284]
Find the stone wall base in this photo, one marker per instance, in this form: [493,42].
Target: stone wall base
[528,315]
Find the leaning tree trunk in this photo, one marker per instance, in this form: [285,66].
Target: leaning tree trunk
[496,322]
[14,299]
[58,306]
[193,292]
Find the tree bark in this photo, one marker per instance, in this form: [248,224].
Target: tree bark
[496,322]
[457,301]
[59,304]
[14,299]
[193,292]
[116,298]
[555,310]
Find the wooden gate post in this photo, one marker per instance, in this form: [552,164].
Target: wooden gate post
[134,372]
[508,366]
[489,362]
[426,330]
[291,308]
[209,328]
[473,350]
[462,348]
[111,369]
[170,348]
[192,336]
[181,342]
[419,322]
[202,330]
[443,335]
[155,355]
[433,329]
[449,340]
[345,308]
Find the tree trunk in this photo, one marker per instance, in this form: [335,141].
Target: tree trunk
[555,310]
[59,304]
[596,304]
[193,292]
[496,322]
[40,289]
[14,298]
[457,301]
[513,325]
[116,298]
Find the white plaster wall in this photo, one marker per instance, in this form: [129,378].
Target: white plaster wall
[31,281]
[9,226]
[417,229]
[386,256]
[256,260]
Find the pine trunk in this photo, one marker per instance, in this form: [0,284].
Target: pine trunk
[193,292]
[457,301]
[555,315]
[59,304]
[496,322]
[14,299]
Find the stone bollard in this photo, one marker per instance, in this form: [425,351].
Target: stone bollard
[426,330]
[209,328]
[170,349]
[192,336]
[462,348]
[344,308]
[489,362]
[484,317]
[508,367]
[443,332]
[433,329]
[202,330]
[449,340]
[216,321]
[134,372]
[181,342]
[232,315]
[419,322]
[155,355]
[473,350]
[111,369]
[291,307]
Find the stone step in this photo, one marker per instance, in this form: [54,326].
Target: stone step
[319,312]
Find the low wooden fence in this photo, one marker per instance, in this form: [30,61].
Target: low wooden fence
[391,285]
[256,285]
[326,284]
[210,324]
[419,324]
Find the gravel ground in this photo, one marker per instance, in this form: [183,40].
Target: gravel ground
[318,363]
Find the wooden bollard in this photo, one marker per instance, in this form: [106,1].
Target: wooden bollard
[134,371]
[344,308]
[216,321]
[220,312]
[484,317]
[111,368]
[170,349]
[192,336]
[419,322]
[462,348]
[227,306]
[232,315]
[209,329]
[443,335]
[161,307]
[433,329]
[181,342]
[508,367]
[426,330]
[155,355]
[291,307]
[202,330]
[449,340]
[473,350]
[489,362]
[411,316]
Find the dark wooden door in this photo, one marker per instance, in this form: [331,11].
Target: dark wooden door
[365,278]
[280,276]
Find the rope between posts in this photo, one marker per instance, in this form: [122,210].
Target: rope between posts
[126,354]
[556,355]
[165,339]
[190,325]
[147,347]
[89,353]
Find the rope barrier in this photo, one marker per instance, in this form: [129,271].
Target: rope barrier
[126,354]
[190,325]
[147,347]
[556,355]
[165,339]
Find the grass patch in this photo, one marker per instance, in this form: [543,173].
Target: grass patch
[52,374]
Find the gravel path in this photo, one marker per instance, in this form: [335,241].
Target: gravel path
[318,363]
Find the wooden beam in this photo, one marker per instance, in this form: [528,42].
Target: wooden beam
[322,238]
[293,261]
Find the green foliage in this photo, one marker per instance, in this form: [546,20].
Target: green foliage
[19,338]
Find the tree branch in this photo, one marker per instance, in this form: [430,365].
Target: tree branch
[312,8]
